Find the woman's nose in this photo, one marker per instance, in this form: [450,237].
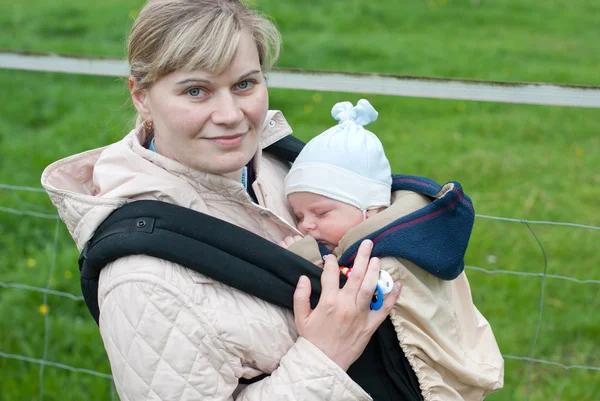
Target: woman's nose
[227,111]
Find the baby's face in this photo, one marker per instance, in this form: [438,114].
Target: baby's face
[325,219]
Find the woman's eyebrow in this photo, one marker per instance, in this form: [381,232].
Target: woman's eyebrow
[246,75]
[193,80]
[207,82]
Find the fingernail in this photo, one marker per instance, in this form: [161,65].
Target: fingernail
[397,286]
[301,282]
[368,243]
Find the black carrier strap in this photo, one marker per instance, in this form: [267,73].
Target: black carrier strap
[213,247]
[240,259]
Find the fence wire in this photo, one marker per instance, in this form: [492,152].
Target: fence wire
[46,291]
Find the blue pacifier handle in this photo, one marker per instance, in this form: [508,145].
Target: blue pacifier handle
[378,303]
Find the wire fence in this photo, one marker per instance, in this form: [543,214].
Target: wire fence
[521,93]
[46,291]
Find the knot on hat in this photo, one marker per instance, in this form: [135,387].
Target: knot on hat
[362,114]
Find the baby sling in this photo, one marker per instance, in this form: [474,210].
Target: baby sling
[240,259]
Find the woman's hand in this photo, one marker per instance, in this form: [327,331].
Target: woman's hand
[342,323]
[289,240]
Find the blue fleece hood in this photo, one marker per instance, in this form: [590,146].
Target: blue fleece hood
[435,237]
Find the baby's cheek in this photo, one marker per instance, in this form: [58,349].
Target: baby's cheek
[336,234]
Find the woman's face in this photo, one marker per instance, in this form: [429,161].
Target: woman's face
[209,122]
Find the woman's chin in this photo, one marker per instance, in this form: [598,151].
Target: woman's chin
[232,163]
[216,160]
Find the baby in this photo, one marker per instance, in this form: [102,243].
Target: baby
[342,191]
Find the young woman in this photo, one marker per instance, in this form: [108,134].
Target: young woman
[171,334]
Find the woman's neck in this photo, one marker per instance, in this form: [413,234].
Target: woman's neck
[235,175]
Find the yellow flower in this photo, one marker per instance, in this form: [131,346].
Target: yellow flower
[31,262]
[579,153]
[68,274]
[308,108]
[44,309]
[316,97]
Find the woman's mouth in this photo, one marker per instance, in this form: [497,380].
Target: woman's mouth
[228,141]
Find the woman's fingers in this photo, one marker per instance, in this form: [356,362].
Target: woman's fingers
[342,324]
[330,279]
[367,288]
[360,267]
[302,307]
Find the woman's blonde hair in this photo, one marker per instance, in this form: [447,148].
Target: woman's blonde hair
[189,35]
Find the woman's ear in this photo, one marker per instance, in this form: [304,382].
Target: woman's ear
[138,96]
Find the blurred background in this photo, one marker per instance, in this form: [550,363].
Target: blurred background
[515,161]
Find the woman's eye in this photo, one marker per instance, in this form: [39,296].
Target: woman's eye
[244,85]
[195,92]
[322,214]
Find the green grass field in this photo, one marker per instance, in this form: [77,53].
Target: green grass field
[519,161]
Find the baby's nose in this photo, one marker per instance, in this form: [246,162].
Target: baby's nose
[306,226]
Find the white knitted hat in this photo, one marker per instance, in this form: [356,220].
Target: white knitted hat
[346,163]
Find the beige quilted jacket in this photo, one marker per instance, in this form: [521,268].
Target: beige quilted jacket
[449,344]
[173,334]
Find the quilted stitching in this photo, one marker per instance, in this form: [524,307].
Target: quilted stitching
[173,365]
[162,351]
[238,309]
